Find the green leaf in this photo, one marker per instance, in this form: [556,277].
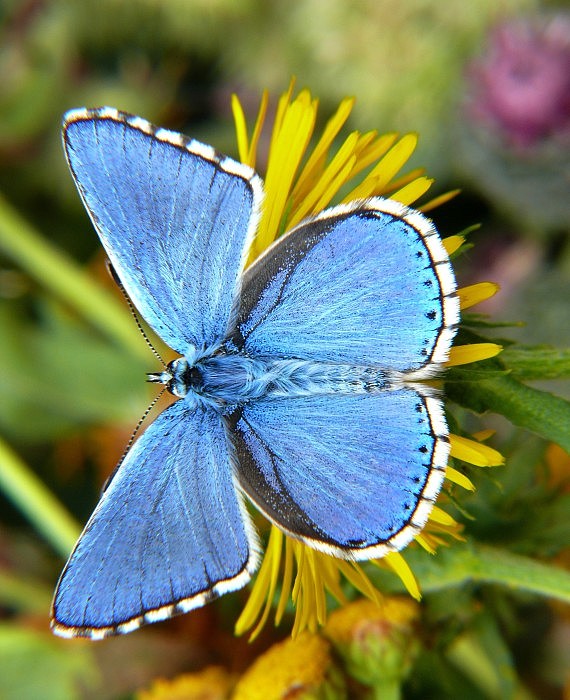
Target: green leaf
[434,676]
[492,385]
[468,230]
[537,362]
[538,411]
[517,508]
[482,321]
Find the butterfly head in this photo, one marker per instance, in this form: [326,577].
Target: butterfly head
[178,377]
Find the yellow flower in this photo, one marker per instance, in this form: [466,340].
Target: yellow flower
[296,668]
[212,683]
[298,183]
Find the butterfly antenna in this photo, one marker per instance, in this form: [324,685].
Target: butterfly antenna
[132,439]
[134,312]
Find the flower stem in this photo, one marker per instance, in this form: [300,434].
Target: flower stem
[60,275]
[459,564]
[37,503]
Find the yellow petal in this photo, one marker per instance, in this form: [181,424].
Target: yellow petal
[312,169]
[474,452]
[300,557]
[362,191]
[261,596]
[286,153]
[438,201]
[476,293]
[400,567]
[241,129]
[305,592]
[334,186]
[453,243]
[465,354]
[282,105]
[438,515]
[413,191]
[458,478]
[248,150]
[354,573]
[287,580]
[342,164]
[395,159]
[320,604]
[378,178]
[252,153]
[425,544]
[370,149]
[406,179]
[483,435]
[331,576]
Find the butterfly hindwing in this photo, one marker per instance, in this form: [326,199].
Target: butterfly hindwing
[353,475]
[368,284]
[169,534]
[175,218]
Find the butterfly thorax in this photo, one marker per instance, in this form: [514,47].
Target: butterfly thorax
[236,378]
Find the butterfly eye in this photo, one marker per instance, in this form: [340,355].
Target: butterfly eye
[183,377]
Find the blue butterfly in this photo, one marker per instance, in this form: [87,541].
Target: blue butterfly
[299,381]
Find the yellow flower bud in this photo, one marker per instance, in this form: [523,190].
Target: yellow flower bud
[376,642]
[296,669]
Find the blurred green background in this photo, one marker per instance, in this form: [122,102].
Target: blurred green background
[485,84]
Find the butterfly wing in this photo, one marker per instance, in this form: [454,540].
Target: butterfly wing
[169,534]
[175,218]
[352,475]
[367,284]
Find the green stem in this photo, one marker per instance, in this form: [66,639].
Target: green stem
[473,562]
[387,690]
[59,273]
[468,655]
[24,594]
[37,503]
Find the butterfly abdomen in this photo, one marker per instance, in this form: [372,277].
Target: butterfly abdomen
[238,378]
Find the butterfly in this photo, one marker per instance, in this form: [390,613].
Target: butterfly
[299,382]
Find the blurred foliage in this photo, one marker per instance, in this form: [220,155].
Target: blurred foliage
[42,402]
[35,665]
[72,363]
[513,140]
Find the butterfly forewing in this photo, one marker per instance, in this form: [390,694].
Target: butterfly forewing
[369,284]
[175,217]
